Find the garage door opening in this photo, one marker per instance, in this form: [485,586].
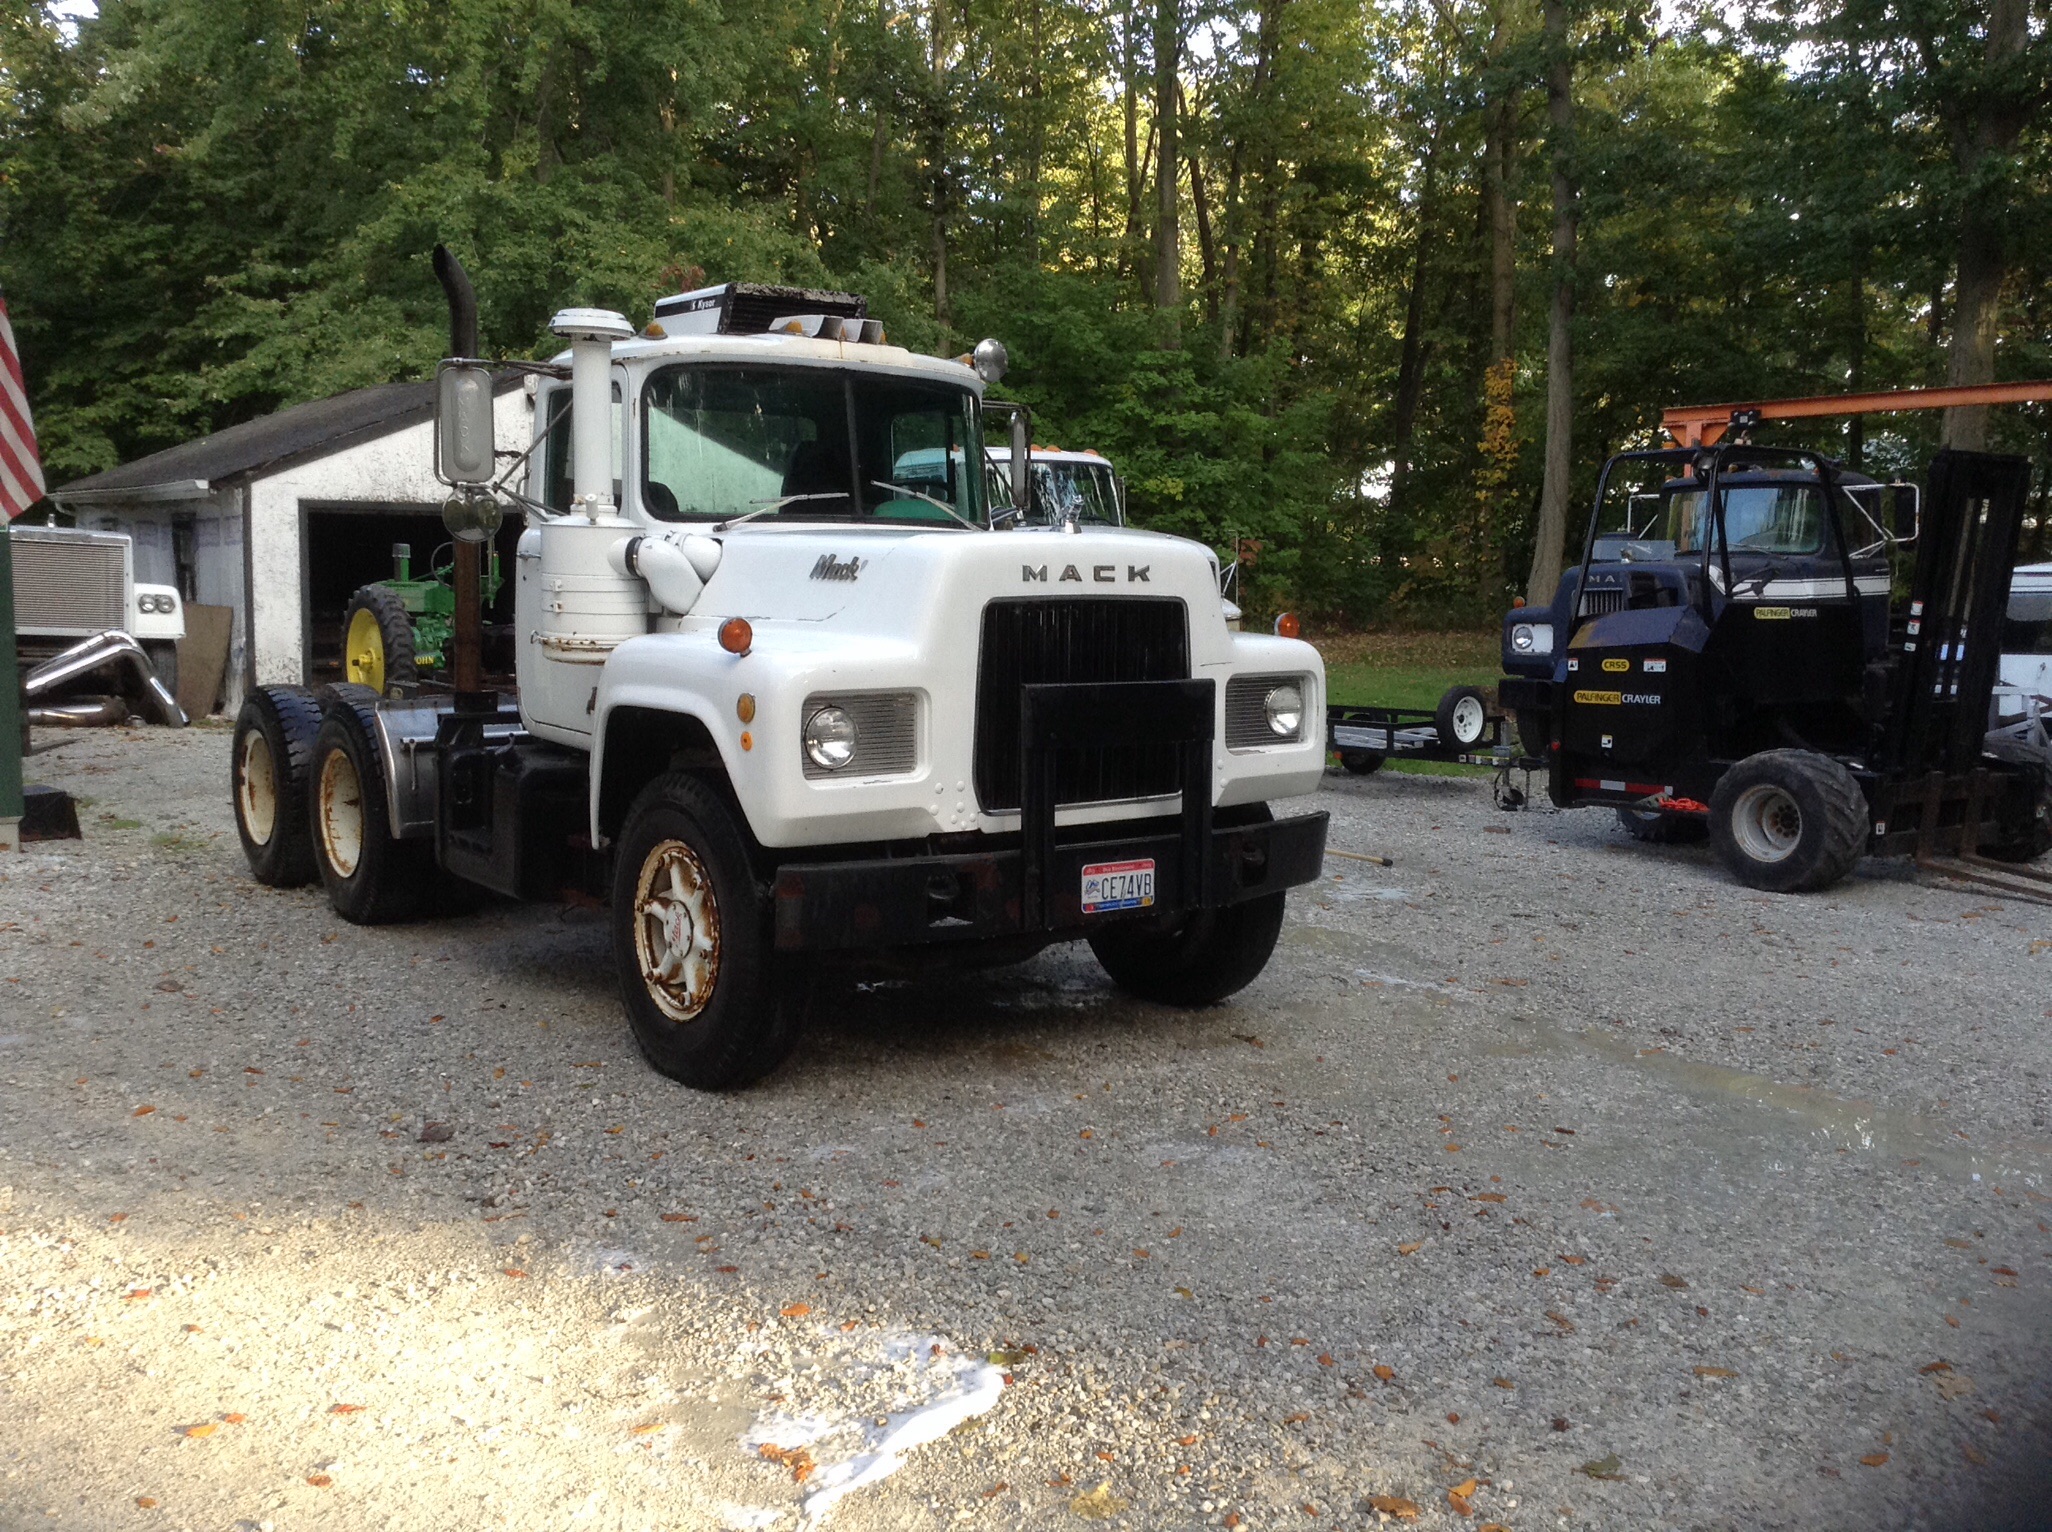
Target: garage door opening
[347,547]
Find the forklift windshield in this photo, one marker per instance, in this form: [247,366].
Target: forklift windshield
[1758,518]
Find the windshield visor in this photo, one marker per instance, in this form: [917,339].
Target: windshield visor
[808,444]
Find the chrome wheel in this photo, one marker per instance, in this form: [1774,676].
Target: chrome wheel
[676,930]
[1469,717]
[339,813]
[256,788]
[1767,823]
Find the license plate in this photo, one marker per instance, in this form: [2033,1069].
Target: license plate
[1118,886]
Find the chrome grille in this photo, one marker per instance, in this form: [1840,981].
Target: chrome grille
[69,585]
[1600,603]
[886,732]
[1246,719]
[1033,642]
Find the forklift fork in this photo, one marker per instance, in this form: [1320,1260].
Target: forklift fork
[2009,880]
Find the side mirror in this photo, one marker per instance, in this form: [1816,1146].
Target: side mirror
[1914,496]
[1022,462]
[464,433]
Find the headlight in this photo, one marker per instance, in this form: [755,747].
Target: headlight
[1532,638]
[1284,706]
[830,738]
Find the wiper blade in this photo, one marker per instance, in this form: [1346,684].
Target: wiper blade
[779,504]
[974,526]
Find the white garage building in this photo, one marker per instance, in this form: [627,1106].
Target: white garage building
[280,519]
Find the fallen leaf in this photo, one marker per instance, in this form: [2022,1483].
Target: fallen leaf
[1954,1386]
[1609,1468]
[142,1111]
[117,1218]
[1394,1505]
[1414,1246]
[795,1310]
[1936,1367]
[513,1271]
[135,1294]
[1714,1372]
[1297,1419]
[1325,1359]
[233,1419]
[145,1502]
[1384,1371]
[1875,1459]
[1669,1279]
[1459,1496]
[1503,1382]
[678,1217]
[797,1459]
[1488,1197]
[345,1409]
[196,1432]
[1140,1255]
[1099,1504]
[319,1480]
[1960,1244]
[1566,1324]
[646,1428]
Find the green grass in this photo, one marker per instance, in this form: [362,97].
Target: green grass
[1410,670]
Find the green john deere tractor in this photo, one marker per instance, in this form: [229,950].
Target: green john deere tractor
[397,631]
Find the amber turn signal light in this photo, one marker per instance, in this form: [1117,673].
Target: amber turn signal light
[1287,626]
[736,637]
[1517,601]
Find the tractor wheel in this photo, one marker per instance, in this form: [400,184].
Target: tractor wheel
[1361,763]
[692,942]
[1462,718]
[274,738]
[371,877]
[1658,829]
[1535,731]
[1789,821]
[1197,959]
[377,640]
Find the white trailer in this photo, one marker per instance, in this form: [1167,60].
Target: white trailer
[788,701]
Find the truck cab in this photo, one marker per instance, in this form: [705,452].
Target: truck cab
[790,696]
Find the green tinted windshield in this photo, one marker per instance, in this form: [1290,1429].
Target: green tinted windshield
[1758,518]
[808,443]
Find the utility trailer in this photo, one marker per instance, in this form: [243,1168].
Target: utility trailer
[1731,661]
[789,700]
[1462,729]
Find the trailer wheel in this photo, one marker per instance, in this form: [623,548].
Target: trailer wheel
[1196,960]
[274,738]
[1789,821]
[372,878]
[1462,718]
[1658,829]
[377,640]
[1361,763]
[691,940]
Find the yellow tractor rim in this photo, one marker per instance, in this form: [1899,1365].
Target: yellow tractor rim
[363,650]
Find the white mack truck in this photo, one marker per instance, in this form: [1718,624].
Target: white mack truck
[792,691]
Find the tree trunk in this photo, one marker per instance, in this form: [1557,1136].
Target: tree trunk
[1856,358]
[1168,232]
[1497,153]
[1560,354]
[1200,207]
[1229,277]
[1036,143]
[1992,128]
[937,153]
[1411,364]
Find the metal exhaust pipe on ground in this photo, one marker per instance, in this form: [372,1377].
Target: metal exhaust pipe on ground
[112,648]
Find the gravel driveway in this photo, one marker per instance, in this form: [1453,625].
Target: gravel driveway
[1544,1180]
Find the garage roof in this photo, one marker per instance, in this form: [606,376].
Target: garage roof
[258,447]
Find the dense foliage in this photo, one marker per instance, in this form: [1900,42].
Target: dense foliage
[1250,250]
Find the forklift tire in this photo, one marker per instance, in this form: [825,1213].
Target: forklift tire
[1789,821]
[1658,829]
[692,942]
[377,640]
[1361,763]
[371,877]
[1462,718]
[1199,959]
[273,748]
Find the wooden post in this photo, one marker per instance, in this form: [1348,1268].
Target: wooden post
[12,735]
[467,638]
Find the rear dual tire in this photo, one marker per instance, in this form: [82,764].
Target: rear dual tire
[1789,821]
[268,765]
[372,878]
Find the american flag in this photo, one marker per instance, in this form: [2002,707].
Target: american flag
[21,474]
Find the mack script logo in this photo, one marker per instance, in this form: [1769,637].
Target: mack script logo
[831,568]
[1100,574]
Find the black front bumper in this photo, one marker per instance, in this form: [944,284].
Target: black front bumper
[1032,884]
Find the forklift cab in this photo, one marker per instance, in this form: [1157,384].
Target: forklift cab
[1730,599]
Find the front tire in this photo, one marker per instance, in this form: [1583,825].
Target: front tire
[692,942]
[1199,959]
[268,765]
[1789,821]
[1361,763]
[371,877]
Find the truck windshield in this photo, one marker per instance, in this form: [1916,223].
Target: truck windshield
[1758,518]
[802,443]
[1075,492]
